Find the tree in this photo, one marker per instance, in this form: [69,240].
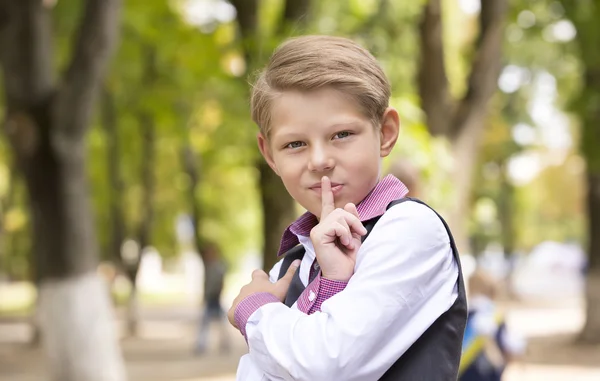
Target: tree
[108,114]
[460,120]
[584,15]
[277,205]
[46,124]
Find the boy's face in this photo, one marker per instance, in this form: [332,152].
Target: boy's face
[324,133]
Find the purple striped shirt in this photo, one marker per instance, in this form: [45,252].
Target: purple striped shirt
[321,289]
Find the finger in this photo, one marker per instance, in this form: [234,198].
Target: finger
[257,274]
[351,208]
[327,201]
[342,231]
[289,274]
[353,222]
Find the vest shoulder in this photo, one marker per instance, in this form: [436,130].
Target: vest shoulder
[416,221]
[412,209]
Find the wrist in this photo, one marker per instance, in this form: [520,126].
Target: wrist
[247,306]
[336,276]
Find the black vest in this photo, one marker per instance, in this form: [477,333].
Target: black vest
[435,356]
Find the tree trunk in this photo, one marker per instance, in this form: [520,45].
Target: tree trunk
[277,205]
[191,168]
[584,16]
[46,124]
[5,205]
[115,181]
[148,127]
[278,213]
[506,213]
[591,330]
[148,132]
[461,121]
[590,115]
[465,149]
[74,307]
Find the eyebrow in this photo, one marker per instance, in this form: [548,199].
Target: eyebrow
[346,124]
[290,133]
[286,137]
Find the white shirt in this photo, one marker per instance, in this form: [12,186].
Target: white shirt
[405,278]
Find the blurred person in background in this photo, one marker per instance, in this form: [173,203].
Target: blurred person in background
[409,174]
[488,344]
[214,273]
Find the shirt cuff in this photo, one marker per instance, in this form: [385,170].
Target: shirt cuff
[327,288]
[248,306]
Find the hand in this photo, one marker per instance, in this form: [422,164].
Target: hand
[260,283]
[337,237]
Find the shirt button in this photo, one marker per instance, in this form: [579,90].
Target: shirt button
[311,296]
[316,266]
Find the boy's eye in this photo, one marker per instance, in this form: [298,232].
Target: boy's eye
[343,134]
[294,145]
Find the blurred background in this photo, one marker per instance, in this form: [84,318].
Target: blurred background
[128,165]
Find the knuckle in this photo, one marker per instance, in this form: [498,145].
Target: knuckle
[314,233]
[336,212]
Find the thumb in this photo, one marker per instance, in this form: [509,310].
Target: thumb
[285,281]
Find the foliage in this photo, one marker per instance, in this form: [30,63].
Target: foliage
[197,96]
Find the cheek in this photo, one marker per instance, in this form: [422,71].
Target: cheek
[366,159]
[287,167]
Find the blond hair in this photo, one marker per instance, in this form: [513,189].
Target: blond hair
[313,62]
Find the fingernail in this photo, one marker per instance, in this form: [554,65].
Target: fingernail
[296,263]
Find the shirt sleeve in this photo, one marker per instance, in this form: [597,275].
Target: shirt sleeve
[248,371]
[253,302]
[317,292]
[405,278]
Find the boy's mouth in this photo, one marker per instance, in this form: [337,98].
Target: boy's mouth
[335,188]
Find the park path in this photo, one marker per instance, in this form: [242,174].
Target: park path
[163,352]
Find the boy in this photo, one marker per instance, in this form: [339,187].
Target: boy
[488,345]
[336,308]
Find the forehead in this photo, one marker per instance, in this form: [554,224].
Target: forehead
[295,111]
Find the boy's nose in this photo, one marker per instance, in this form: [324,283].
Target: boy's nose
[320,161]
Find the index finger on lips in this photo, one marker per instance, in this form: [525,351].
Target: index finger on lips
[327,201]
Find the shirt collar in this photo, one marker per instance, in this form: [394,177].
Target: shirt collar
[374,205]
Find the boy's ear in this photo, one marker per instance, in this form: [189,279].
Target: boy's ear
[265,150]
[390,128]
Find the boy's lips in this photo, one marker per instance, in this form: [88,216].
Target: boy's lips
[335,188]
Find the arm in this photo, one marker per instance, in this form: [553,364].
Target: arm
[405,279]
[247,369]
